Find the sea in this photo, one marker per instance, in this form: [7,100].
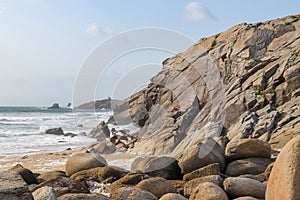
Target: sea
[22,129]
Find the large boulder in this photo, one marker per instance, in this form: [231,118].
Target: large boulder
[83,161]
[83,197]
[26,174]
[239,187]
[130,193]
[44,193]
[157,186]
[12,186]
[103,147]
[247,166]
[284,182]
[55,131]
[165,167]
[111,174]
[212,169]
[246,148]
[192,184]
[63,185]
[208,191]
[200,155]
[173,196]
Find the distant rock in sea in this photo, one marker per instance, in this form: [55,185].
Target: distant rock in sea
[54,106]
[99,104]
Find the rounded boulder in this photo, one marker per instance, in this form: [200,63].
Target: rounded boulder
[83,161]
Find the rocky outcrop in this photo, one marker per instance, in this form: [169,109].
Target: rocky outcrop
[284,182]
[98,104]
[241,83]
[101,132]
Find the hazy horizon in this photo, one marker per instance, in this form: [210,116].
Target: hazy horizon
[44,43]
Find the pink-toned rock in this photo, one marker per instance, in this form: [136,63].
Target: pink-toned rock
[284,179]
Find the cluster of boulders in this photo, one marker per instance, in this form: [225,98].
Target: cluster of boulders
[241,171]
[111,140]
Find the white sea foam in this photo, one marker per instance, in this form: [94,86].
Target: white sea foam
[22,130]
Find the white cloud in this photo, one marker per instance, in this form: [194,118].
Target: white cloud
[95,30]
[3,9]
[195,11]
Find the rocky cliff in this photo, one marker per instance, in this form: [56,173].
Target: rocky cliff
[241,83]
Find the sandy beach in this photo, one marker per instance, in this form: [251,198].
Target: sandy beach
[40,162]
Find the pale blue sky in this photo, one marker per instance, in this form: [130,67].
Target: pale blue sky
[44,42]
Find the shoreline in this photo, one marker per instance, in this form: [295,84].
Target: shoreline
[55,161]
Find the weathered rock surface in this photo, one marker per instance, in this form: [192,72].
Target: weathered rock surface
[208,191]
[63,185]
[284,182]
[173,196]
[192,184]
[83,161]
[204,153]
[130,193]
[246,148]
[239,187]
[241,83]
[129,180]
[103,147]
[157,186]
[165,167]
[83,197]
[49,175]
[248,166]
[12,186]
[212,169]
[26,174]
[44,193]
[101,132]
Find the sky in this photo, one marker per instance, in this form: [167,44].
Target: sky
[44,43]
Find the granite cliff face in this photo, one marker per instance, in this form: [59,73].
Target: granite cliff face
[242,83]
